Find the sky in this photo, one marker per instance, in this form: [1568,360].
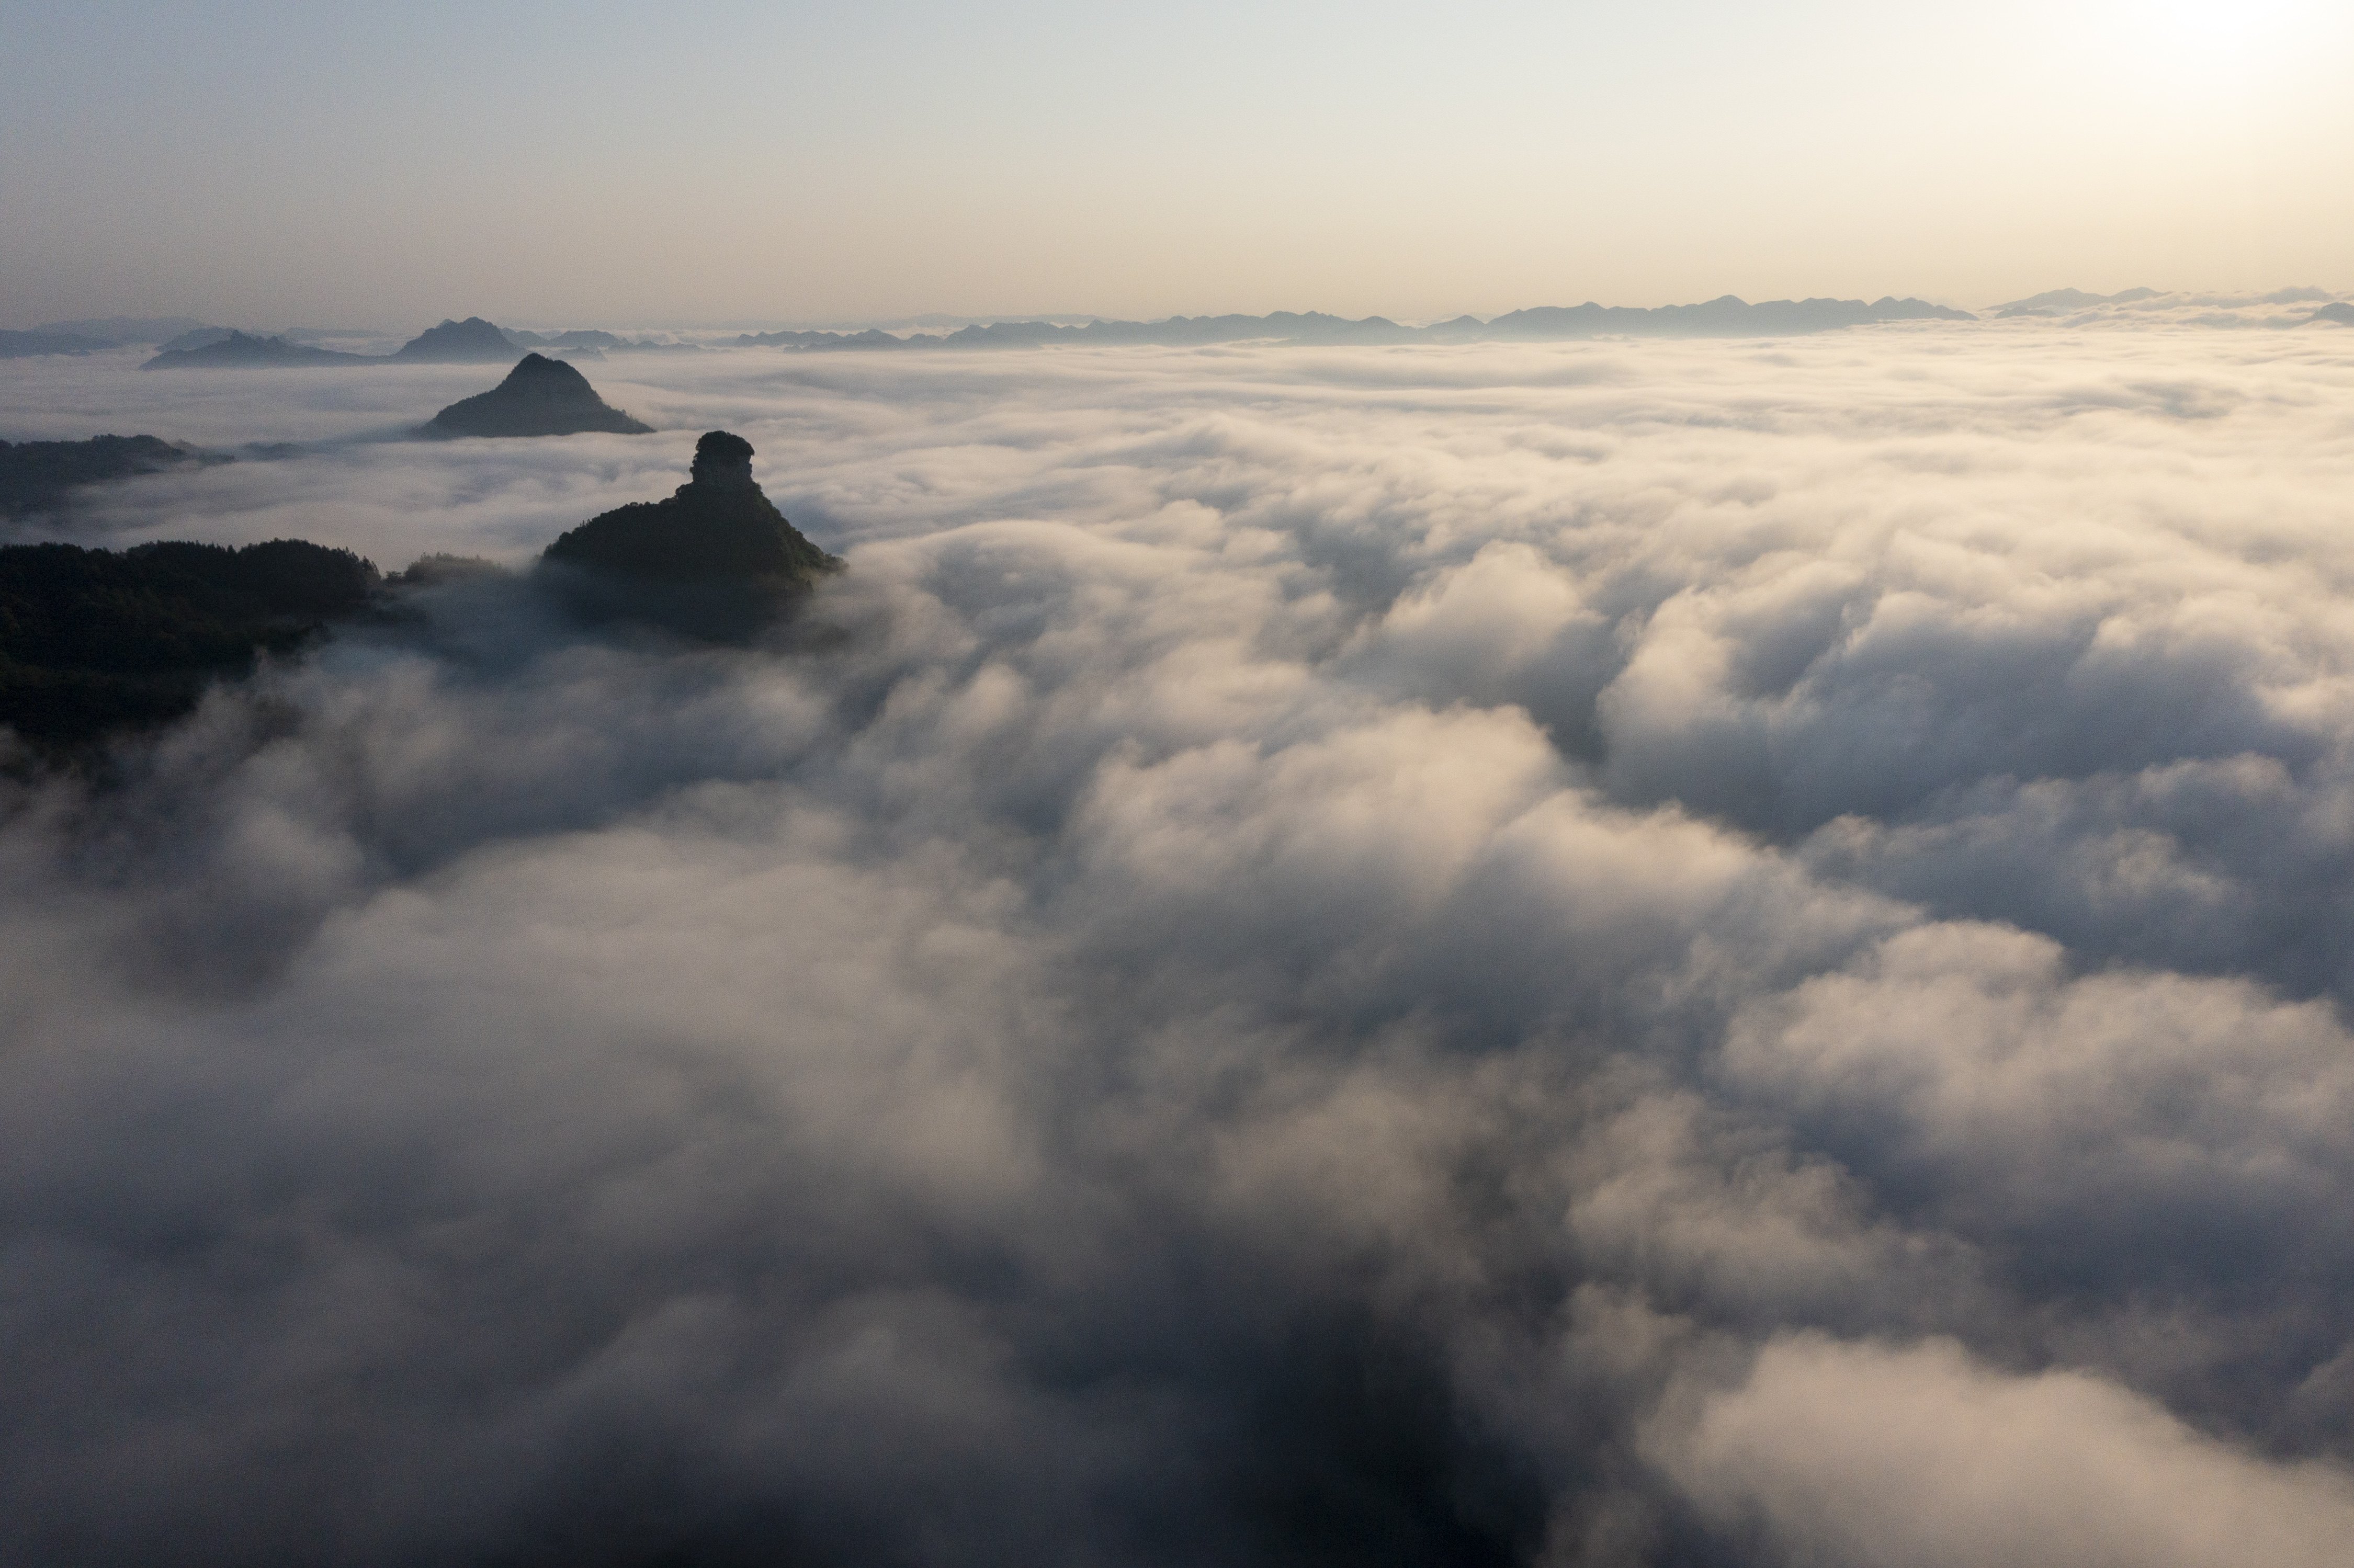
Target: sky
[276,164]
[1626,954]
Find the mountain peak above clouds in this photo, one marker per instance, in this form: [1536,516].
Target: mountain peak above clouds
[458,342]
[540,396]
[716,526]
[714,561]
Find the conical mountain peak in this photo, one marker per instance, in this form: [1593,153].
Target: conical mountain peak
[540,396]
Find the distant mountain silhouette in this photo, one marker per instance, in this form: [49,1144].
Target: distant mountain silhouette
[1725,317]
[201,336]
[125,329]
[540,396]
[873,337]
[715,559]
[2056,301]
[94,641]
[242,349]
[947,323]
[2340,312]
[197,337]
[1314,326]
[465,342]
[36,476]
[28,344]
[462,342]
[575,339]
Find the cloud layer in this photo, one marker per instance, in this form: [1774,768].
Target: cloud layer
[1600,955]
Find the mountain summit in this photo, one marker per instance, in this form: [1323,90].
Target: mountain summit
[471,339]
[540,396]
[718,525]
[715,560]
[243,349]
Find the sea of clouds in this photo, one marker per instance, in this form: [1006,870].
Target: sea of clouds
[1699,953]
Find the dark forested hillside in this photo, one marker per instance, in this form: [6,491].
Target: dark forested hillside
[34,476]
[93,640]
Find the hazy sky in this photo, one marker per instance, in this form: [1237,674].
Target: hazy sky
[273,164]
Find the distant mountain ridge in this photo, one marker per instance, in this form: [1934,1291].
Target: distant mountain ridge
[245,350]
[472,341]
[457,341]
[91,335]
[576,339]
[117,332]
[199,336]
[28,344]
[475,339]
[2053,302]
[1727,316]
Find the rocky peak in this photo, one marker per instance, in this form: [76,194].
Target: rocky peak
[723,461]
[717,528]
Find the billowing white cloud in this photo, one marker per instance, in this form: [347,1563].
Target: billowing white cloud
[1390,955]
[1862,1454]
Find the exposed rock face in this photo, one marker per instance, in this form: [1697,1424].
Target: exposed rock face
[540,396]
[723,461]
[458,342]
[243,348]
[717,559]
